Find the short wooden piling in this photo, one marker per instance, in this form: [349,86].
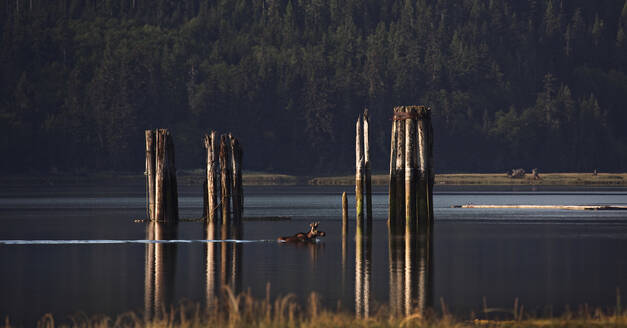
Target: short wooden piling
[166,194]
[344,214]
[236,170]
[359,175]
[368,178]
[410,166]
[150,174]
[211,145]
[225,180]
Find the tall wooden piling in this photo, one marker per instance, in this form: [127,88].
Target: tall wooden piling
[400,161]
[166,194]
[225,180]
[431,170]
[236,170]
[422,200]
[359,175]
[410,166]
[211,145]
[150,174]
[368,178]
[392,178]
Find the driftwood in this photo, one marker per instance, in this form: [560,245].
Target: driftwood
[516,173]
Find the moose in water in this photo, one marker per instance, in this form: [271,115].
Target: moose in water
[303,237]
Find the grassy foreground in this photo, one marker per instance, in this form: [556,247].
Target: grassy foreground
[550,179]
[245,311]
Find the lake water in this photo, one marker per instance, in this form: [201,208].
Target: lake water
[71,249]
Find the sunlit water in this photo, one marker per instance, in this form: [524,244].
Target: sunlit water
[70,249]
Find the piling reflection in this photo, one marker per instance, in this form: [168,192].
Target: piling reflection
[411,270]
[223,260]
[160,268]
[363,269]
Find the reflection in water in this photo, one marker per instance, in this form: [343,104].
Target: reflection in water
[411,270]
[160,265]
[363,269]
[223,261]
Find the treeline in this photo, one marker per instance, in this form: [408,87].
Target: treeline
[512,83]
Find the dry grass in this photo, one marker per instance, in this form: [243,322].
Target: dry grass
[244,311]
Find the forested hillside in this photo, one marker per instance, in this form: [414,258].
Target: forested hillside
[512,83]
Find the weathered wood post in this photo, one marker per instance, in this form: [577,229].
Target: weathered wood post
[166,194]
[399,113]
[150,173]
[431,171]
[211,145]
[423,203]
[392,220]
[225,180]
[368,180]
[236,170]
[410,166]
[359,175]
[344,214]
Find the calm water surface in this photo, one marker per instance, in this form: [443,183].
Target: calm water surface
[101,262]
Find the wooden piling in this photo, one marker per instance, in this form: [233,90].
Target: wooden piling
[150,174]
[400,163]
[225,180]
[211,145]
[236,170]
[359,174]
[392,178]
[410,166]
[431,169]
[166,194]
[368,178]
[422,201]
[344,214]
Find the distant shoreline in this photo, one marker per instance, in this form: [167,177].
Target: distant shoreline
[270,179]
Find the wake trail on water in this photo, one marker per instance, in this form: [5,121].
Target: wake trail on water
[137,241]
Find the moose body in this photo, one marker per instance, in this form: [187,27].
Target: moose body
[303,237]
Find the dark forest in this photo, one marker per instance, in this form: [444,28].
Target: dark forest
[511,83]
